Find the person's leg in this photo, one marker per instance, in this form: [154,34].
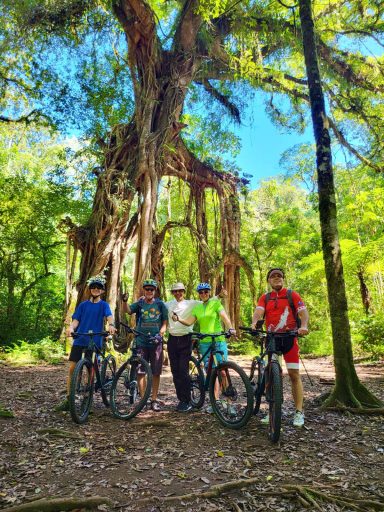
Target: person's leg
[222,346]
[141,383]
[72,366]
[156,359]
[297,388]
[174,360]
[184,383]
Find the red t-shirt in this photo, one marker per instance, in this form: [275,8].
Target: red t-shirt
[278,315]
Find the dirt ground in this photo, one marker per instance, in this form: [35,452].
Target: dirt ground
[147,463]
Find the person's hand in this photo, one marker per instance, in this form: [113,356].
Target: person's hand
[175,316]
[112,329]
[69,332]
[232,332]
[253,326]
[302,331]
[223,293]
[124,297]
[162,331]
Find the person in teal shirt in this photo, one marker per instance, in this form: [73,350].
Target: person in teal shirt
[210,314]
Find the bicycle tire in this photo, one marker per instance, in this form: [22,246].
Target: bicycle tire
[81,391]
[275,394]
[197,379]
[234,406]
[107,374]
[124,398]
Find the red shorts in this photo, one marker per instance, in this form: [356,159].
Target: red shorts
[291,358]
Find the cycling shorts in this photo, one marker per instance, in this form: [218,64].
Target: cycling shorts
[291,358]
[220,345]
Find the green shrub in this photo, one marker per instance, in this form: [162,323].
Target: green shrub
[318,343]
[372,335]
[45,350]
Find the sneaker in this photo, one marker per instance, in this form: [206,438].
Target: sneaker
[265,420]
[184,407]
[155,406]
[62,406]
[298,419]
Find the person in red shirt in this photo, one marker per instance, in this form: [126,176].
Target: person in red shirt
[279,317]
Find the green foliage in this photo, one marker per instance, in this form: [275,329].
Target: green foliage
[24,352]
[372,335]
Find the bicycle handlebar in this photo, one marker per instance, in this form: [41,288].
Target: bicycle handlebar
[255,332]
[78,334]
[201,335]
[154,338]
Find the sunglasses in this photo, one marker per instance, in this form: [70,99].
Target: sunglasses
[203,291]
[149,289]
[96,286]
[272,276]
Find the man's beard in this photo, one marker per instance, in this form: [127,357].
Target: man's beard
[277,288]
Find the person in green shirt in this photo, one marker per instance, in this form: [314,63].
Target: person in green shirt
[210,314]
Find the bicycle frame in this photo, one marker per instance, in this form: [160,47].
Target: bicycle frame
[212,351]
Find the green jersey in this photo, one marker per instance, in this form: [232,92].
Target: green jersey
[208,316]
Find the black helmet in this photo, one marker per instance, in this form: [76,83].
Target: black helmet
[96,282]
[273,269]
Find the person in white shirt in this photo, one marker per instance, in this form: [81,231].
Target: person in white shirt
[179,344]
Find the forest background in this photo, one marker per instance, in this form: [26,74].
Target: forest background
[66,88]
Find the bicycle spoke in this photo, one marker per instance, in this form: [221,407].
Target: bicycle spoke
[231,395]
[81,392]
[196,376]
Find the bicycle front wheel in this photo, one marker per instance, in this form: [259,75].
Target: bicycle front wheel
[231,395]
[81,391]
[197,379]
[107,374]
[275,395]
[125,397]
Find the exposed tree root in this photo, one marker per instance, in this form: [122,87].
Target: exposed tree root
[56,432]
[379,411]
[60,504]
[307,496]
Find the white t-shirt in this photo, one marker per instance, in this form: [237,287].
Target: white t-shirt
[183,309]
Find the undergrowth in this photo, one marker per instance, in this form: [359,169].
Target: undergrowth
[22,352]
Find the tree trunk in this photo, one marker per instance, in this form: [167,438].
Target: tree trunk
[348,390]
[202,229]
[364,292]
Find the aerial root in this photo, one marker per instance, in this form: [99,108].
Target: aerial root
[60,504]
[307,496]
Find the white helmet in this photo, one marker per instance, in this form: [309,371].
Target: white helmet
[177,286]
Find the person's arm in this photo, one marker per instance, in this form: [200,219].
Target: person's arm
[257,315]
[111,324]
[72,327]
[125,306]
[163,328]
[304,318]
[187,321]
[227,322]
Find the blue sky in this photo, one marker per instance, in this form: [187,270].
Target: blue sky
[263,143]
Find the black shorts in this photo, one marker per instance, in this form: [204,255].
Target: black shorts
[77,353]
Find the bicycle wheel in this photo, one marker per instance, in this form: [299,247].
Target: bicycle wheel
[107,374]
[125,397]
[260,386]
[197,379]
[275,395]
[81,391]
[231,395]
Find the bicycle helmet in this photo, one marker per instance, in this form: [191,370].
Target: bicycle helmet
[150,282]
[273,269]
[203,286]
[96,282]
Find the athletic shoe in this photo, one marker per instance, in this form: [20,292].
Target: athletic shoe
[265,420]
[155,406]
[183,407]
[298,419]
[62,406]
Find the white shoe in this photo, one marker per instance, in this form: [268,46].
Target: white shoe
[298,419]
[265,420]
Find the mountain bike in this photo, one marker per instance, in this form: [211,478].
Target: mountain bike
[127,399]
[230,391]
[94,372]
[269,376]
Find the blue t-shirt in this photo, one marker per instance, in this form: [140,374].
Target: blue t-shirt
[91,318]
[149,319]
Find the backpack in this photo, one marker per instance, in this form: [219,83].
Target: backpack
[290,302]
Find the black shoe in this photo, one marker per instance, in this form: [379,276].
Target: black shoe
[183,407]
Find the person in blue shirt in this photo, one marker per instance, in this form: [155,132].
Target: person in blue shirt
[151,319]
[89,316]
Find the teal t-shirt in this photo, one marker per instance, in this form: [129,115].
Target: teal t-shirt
[208,316]
[149,319]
